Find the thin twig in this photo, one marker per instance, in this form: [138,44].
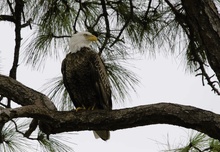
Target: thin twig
[148,9]
[207,149]
[97,20]
[10,7]
[8,103]
[107,35]
[17,130]
[3,105]
[1,97]
[28,23]
[125,25]
[197,148]
[203,73]
[62,36]
[77,16]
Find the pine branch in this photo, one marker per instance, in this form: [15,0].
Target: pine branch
[125,25]
[191,33]
[62,36]
[8,18]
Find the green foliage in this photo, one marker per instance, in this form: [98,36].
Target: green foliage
[54,144]
[56,91]
[198,142]
[51,18]
[12,140]
[142,28]
[214,145]
[121,79]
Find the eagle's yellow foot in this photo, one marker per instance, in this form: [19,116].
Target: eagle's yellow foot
[80,108]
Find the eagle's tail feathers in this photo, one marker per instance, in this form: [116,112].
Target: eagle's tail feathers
[103,134]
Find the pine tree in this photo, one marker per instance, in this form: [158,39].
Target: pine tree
[124,28]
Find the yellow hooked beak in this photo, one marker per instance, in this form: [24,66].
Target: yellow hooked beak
[91,37]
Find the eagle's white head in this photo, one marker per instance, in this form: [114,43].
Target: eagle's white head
[79,40]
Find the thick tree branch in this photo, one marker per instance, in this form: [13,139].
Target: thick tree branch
[162,113]
[38,106]
[192,32]
[24,96]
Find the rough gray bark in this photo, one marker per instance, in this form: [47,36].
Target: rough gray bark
[162,113]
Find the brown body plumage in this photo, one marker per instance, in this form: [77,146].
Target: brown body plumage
[86,80]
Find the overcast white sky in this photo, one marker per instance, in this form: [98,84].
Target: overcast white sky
[162,80]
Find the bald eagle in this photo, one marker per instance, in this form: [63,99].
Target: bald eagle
[85,77]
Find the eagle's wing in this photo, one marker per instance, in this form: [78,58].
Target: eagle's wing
[103,90]
[67,77]
[101,81]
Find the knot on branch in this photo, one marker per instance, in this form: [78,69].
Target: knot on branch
[5,114]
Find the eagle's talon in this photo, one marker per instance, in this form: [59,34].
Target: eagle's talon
[80,108]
